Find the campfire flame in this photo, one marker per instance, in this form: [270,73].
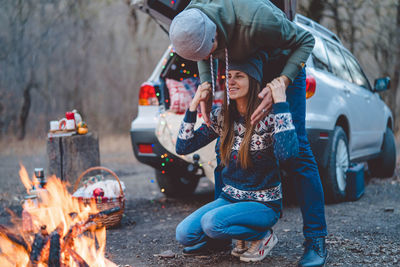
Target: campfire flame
[54,213]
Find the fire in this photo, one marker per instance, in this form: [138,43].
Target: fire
[56,228]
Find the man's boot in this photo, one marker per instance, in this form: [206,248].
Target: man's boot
[315,253]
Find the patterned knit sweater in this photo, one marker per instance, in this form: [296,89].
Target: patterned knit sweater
[274,139]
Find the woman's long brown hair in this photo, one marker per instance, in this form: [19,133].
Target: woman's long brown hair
[230,113]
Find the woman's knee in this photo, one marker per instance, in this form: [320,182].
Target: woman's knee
[212,226]
[186,235]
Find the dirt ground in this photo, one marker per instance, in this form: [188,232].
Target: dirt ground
[361,233]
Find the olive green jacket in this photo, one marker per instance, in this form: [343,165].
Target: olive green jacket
[246,26]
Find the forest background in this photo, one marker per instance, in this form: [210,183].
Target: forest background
[93,55]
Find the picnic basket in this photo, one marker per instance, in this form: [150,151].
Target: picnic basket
[102,203]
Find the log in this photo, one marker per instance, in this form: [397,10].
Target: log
[69,156]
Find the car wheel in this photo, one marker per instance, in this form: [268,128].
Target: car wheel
[385,164]
[334,179]
[173,184]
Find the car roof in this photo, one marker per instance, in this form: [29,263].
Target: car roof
[317,29]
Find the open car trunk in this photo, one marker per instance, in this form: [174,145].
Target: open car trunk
[178,83]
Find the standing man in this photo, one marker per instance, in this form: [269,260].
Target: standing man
[208,31]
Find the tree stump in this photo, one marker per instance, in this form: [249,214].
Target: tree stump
[69,156]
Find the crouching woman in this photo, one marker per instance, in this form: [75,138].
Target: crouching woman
[251,200]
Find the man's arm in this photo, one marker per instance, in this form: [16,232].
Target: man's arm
[273,30]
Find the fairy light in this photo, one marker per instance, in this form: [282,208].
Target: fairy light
[162,190]
[183,65]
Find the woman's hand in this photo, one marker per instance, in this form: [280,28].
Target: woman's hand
[202,95]
[278,89]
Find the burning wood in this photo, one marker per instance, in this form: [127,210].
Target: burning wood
[39,242]
[55,249]
[67,220]
[15,238]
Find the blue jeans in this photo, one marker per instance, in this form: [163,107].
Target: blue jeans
[302,171]
[225,220]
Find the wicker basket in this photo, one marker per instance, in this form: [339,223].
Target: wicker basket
[113,219]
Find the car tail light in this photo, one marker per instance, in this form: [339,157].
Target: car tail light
[323,135]
[148,95]
[311,84]
[146,148]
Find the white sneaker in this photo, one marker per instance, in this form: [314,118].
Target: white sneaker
[260,249]
[240,248]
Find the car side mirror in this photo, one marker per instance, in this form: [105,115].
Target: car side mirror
[382,84]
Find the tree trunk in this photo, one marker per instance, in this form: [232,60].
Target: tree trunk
[26,106]
[315,10]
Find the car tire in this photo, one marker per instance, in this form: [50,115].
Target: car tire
[174,184]
[334,178]
[385,164]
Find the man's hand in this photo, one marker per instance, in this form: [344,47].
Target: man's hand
[267,98]
[206,103]
[265,106]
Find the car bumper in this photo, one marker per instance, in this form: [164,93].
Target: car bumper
[159,158]
[320,140]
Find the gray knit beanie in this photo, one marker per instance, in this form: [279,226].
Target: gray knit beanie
[192,34]
[253,66]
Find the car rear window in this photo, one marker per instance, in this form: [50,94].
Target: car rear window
[320,59]
[338,65]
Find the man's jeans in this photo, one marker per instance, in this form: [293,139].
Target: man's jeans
[303,171]
[226,220]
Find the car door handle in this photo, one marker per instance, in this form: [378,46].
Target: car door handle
[346,91]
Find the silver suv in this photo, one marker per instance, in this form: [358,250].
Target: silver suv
[346,120]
